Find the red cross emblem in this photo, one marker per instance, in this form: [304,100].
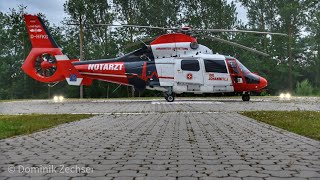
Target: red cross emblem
[189,76]
[211,76]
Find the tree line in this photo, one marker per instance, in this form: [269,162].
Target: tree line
[293,61]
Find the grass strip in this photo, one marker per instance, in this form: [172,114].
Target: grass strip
[13,125]
[305,123]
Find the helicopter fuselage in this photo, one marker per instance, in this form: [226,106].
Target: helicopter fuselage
[178,67]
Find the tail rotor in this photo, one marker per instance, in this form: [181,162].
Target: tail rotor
[46,65]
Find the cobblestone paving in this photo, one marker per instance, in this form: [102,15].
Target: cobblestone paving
[173,145]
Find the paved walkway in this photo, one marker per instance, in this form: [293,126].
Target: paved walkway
[173,145]
[157,106]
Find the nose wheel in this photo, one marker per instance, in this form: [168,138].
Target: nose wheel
[246,97]
[169,97]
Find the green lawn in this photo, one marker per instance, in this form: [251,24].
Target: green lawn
[12,125]
[305,123]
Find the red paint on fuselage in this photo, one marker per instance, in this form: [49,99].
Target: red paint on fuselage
[243,86]
[112,72]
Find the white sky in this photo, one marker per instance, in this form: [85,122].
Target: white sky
[53,9]
[242,12]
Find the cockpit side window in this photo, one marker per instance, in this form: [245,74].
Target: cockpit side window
[243,68]
[234,68]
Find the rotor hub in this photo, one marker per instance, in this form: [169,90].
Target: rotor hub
[46,65]
[186,28]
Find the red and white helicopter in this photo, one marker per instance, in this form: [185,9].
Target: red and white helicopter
[173,63]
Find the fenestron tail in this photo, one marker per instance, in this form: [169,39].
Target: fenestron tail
[46,62]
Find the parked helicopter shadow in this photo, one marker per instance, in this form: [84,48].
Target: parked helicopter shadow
[182,101]
[206,101]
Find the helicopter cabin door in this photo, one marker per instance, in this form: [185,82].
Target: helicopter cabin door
[235,72]
[188,74]
[216,77]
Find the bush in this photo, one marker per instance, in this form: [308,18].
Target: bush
[304,88]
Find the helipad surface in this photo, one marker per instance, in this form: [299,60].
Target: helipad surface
[152,139]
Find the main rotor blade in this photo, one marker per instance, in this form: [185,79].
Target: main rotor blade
[132,25]
[239,31]
[182,29]
[237,45]
[127,25]
[139,42]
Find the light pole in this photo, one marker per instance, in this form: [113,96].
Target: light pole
[317,63]
[81,53]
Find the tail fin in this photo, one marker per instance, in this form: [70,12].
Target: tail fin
[38,33]
[46,62]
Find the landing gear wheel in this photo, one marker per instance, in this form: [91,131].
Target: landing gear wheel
[169,95]
[246,97]
[169,98]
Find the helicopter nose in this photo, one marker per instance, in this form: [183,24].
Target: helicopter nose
[263,82]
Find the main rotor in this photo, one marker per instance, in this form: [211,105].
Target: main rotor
[188,30]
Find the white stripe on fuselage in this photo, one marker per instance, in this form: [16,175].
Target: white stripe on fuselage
[106,75]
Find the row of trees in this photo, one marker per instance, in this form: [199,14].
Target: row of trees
[292,58]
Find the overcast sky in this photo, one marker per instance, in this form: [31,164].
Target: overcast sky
[53,9]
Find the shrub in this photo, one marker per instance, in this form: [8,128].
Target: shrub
[304,88]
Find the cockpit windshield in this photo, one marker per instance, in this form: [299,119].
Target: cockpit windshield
[243,68]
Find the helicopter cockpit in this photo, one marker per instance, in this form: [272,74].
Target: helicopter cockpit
[240,73]
[250,77]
